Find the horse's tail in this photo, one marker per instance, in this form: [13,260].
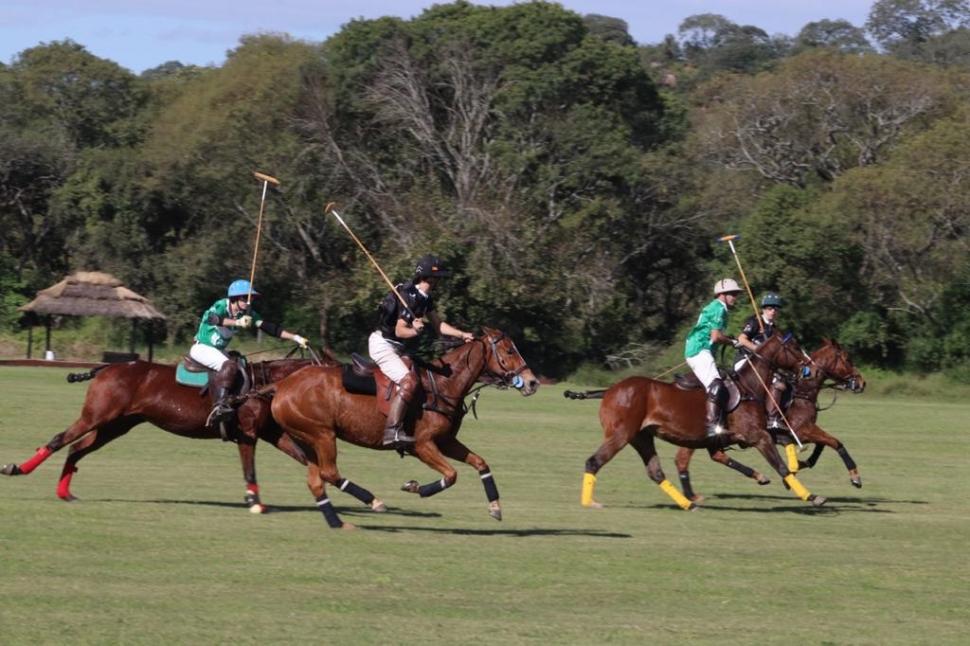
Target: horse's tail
[75,377]
[588,394]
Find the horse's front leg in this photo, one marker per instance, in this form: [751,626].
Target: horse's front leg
[718,455]
[814,433]
[455,450]
[762,441]
[247,458]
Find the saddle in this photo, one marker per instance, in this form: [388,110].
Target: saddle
[190,372]
[691,382]
[362,377]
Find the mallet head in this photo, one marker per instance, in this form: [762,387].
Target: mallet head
[263,177]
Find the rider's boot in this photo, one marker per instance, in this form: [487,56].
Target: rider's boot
[221,384]
[394,433]
[771,407]
[712,409]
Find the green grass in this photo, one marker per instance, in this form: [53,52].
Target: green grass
[161,550]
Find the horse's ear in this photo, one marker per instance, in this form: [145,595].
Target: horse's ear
[487,331]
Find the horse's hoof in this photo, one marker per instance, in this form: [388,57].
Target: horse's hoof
[857,483]
[692,507]
[594,505]
[258,508]
[348,526]
[696,499]
[762,479]
[817,501]
[10,470]
[411,486]
[495,510]
[68,497]
[377,505]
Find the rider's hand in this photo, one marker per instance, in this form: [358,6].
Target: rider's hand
[467,336]
[418,325]
[735,342]
[300,341]
[244,321]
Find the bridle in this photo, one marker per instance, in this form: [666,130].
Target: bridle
[844,383]
[507,377]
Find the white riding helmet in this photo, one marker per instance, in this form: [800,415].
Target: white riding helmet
[725,286]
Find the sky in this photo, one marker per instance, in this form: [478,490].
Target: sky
[141,34]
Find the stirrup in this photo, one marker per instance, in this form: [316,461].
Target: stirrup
[219,413]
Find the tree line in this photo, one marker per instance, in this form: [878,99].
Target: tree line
[574,180]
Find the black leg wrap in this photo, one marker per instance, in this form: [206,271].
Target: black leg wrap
[491,491]
[813,458]
[252,498]
[359,493]
[685,484]
[849,462]
[740,468]
[433,488]
[329,513]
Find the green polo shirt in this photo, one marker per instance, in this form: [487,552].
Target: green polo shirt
[713,317]
[216,335]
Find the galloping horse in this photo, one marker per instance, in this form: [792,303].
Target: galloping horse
[313,406]
[830,362]
[637,409]
[123,395]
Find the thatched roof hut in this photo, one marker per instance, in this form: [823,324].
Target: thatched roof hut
[92,293]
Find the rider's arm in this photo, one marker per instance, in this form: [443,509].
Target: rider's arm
[405,330]
[446,328]
[746,342]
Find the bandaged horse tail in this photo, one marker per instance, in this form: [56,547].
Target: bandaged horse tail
[75,377]
[586,394]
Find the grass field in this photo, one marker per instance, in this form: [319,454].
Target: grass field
[161,550]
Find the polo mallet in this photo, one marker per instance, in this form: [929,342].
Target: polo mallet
[329,208]
[730,240]
[267,180]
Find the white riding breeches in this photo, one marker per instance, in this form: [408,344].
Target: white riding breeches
[208,356]
[704,367]
[387,356]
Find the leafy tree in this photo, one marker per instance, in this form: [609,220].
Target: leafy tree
[909,23]
[840,35]
[817,115]
[610,29]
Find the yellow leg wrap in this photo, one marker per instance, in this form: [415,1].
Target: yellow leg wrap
[797,487]
[589,483]
[792,452]
[677,497]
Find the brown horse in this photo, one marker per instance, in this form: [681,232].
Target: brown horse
[123,395]
[828,363]
[313,406]
[637,409]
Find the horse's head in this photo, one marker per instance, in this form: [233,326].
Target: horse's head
[831,361]
[782,352]
[504,364]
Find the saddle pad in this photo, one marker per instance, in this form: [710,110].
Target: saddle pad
[194,379]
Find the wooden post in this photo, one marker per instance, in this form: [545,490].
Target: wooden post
[131,339]
[151,325]
[30,340]
[47,340]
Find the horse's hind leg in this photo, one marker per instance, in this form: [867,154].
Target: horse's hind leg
[455,450]
[429,453]
[644,445]
[615,440]
[718,455]
[88,444]
[79,428]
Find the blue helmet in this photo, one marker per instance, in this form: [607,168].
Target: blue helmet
[240,288]
[771,299]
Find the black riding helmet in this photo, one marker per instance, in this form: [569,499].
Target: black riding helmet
[429,266]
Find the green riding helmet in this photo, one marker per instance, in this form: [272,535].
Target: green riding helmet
[771,299]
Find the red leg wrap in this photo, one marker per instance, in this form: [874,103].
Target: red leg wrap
[64,484]
[42,454]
